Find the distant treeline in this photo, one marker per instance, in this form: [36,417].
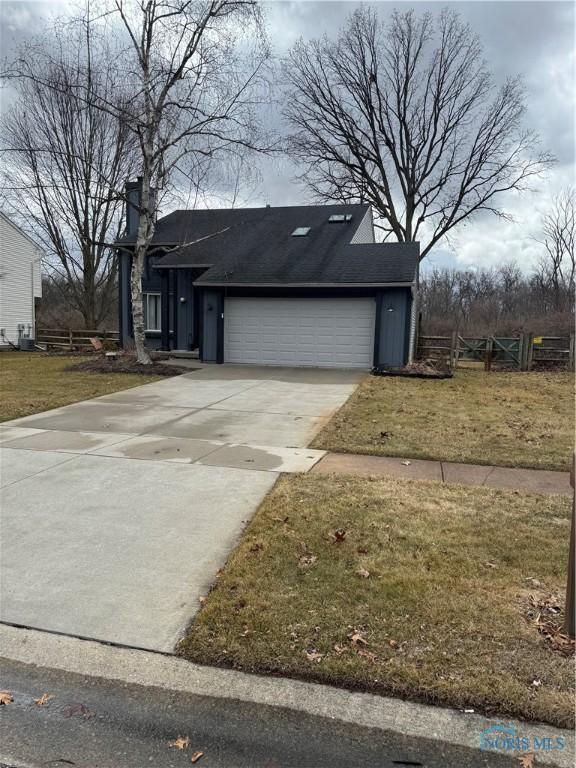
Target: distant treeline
[502,301]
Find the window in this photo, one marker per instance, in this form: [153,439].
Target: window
[152,316]
[338,218]
[300,231]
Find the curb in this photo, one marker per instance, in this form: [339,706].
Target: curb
[93,659]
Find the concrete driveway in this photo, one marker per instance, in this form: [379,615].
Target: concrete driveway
[117,512]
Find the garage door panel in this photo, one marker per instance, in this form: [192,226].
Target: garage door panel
[310,332]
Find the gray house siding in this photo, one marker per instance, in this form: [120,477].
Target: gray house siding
[392,339]
[125,301]
[393,314]
[365,231]
[412,341]
[212,327]
[203,325]
[152,283]
[184,295]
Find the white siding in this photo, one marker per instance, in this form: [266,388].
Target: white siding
[20,279]
[365,230]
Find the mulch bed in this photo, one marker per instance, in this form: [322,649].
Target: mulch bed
[417,370]
[127,365]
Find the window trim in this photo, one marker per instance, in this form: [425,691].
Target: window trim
[147,314]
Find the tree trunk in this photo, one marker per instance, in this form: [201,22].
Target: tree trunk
[142,355]
[143,238]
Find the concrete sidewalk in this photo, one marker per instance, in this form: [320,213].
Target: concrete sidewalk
[534,480]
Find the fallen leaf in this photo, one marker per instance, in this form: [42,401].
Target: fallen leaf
[536,683]
[491,565]
[182,742]
[340,649]
[367,655]
[202,600]
[533,582]
[307,560]
[6,698]
[313,655]
[357,639]
[392,643]
[43,700]
[77,709]
[339,535]
[363,573]
[544,615]
[406,463]
[196,756]
[527,761]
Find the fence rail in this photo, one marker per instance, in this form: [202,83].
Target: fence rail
[524,352]
[70,338]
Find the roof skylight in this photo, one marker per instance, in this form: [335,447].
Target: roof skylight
[300,231]
[339,218]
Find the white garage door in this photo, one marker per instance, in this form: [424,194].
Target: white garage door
[328,333]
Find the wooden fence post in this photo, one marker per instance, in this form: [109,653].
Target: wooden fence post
[530,354]
[571,353]
[454,350]
[524,348]
[488,354]
[70,339]
[570,610]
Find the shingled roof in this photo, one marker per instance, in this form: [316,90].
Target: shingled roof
[255,246]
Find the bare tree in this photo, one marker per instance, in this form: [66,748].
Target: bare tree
[191,95]
[483,301]
[405,116]
[557,266]
[65,160]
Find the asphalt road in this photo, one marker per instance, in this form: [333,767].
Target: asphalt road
[93,723]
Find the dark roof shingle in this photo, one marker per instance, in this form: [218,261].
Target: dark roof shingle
[254,246]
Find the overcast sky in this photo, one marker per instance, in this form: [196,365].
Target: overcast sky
[535,39]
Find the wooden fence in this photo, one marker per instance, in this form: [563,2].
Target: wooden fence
[523,352]
[69,338]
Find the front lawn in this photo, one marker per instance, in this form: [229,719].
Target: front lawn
[507,419]
[423,591]
[30,383]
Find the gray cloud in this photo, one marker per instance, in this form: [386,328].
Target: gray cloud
[534,39]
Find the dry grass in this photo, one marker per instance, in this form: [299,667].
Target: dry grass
[507,419]
[442,616]
[30,383]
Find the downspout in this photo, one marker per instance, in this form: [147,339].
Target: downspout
[33,334]
[37,260]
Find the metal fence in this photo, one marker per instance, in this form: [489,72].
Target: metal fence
[524,352]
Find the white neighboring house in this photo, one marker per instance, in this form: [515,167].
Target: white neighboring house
[20,282]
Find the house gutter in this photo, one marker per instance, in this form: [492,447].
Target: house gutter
[307,285]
